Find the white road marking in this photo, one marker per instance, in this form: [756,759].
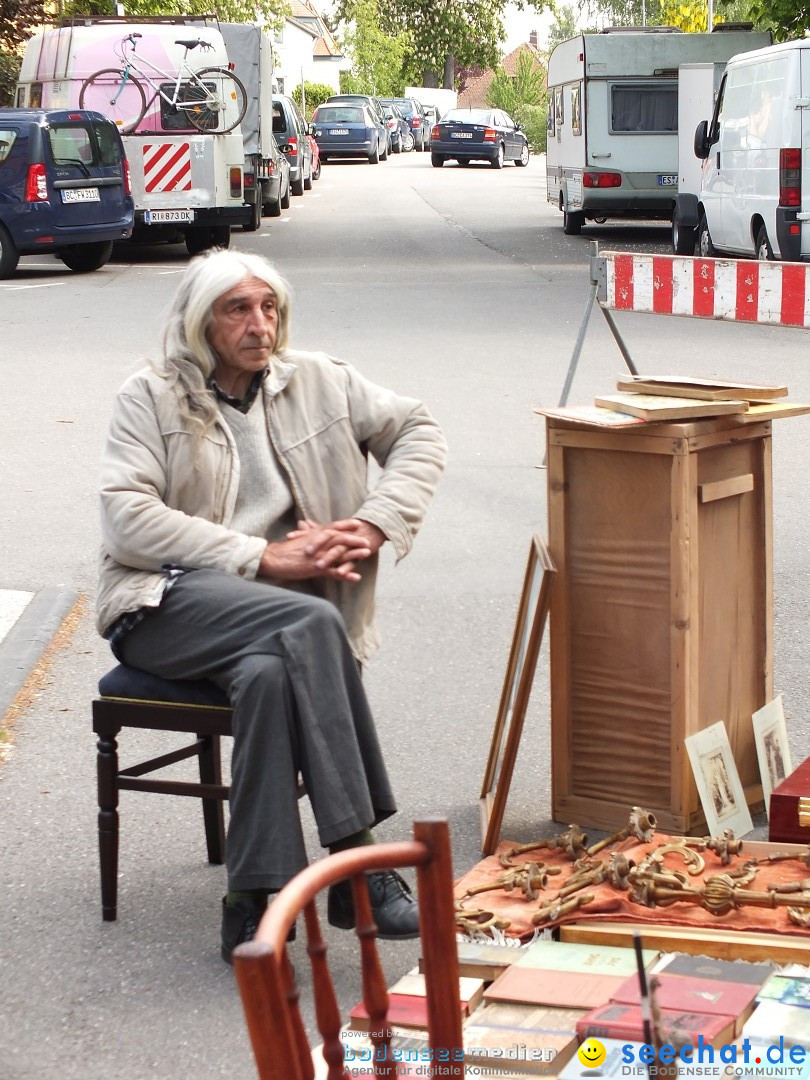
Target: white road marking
[12,605]
[17,288]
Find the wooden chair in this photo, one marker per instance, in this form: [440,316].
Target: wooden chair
[267,982]
[130,698]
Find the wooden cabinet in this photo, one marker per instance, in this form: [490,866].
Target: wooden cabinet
[662,611]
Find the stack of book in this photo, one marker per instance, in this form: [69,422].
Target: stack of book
[696,997]
[407,1002]
[678,397]
[783,1009]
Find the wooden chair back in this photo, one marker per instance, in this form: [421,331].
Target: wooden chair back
[267,981]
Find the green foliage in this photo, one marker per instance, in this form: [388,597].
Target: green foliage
[18,20]
[377,56]
[565,27]
[269,13]
[787,19]
[315,94]
[514,93]
[534,127]
[9,70]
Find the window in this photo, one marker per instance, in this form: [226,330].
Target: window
[8,136]
[71,145]
[558,107]
[108,144]
[550,128]
[576,116]
[173,118]
[648,107]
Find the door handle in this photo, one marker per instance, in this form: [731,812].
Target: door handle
[718,162]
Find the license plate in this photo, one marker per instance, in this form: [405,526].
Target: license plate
[85,194]
[155,217]
[667,179]
[338,131]
[461,134]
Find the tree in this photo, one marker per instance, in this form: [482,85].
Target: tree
[565,27]
[315,94]
[377,57]
[18,20]
[268,12]
[513,93]
[786,18]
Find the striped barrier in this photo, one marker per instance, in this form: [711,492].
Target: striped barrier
[735,290]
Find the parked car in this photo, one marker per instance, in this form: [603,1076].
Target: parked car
[349,130]
[291,135]
[431,117]
[478,135]
[64,187]
[316,153]
[399,132]
[375,107]
[414,114]
[280,184]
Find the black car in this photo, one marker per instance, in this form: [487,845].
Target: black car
[478,135]
[414,115]
[64,187]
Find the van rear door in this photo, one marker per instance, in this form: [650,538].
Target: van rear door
[639,137]
[804,112]
[84,157]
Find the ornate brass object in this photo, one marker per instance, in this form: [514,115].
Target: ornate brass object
[641,824]
[573,842]
[557,908]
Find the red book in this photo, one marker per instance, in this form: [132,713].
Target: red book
[714,997]
[404,1010]
[618,1021]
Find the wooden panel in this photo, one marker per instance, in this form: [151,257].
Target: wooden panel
[724,489]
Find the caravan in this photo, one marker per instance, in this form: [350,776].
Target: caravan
[613,118]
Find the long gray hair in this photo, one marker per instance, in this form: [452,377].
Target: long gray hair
[188,359]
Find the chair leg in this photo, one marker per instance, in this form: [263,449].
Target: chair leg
[107,769]
[213,811]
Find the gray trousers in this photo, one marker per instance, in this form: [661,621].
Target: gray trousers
[298,703]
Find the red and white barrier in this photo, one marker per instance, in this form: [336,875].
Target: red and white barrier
[774,293]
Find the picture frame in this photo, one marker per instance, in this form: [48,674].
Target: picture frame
[535,601]
[773,750]
[718,782]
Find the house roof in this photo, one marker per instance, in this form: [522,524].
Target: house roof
[474,95]
[304,15]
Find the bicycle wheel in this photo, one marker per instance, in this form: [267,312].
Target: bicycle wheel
[115,94]
[215,101]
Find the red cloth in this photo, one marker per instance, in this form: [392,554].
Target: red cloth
[613,904]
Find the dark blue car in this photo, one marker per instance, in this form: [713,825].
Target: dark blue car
[64,187]
[349,131]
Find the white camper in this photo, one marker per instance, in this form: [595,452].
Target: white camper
[613,118]
[186,184]
[754,196]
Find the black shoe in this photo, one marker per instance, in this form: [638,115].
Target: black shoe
[239,923]
[393,907]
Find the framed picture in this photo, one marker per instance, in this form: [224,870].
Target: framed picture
[773,752]
[718,782]
[528,634]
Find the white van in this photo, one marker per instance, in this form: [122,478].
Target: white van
[754,197]
[613,118]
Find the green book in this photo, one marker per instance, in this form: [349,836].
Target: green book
[790,991]
[575,956]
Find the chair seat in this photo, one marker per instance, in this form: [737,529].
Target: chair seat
[133,684]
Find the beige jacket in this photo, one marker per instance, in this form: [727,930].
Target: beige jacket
[167,499]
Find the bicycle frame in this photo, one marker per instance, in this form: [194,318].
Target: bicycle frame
[131,64]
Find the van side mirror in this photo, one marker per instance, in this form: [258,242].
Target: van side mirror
[702,144]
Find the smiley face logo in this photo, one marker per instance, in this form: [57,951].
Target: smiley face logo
[591,1054]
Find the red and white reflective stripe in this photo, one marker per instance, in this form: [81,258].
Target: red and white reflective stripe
[167,166]
[736,290]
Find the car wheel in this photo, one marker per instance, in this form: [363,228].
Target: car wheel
[86,257]
[384,153]
[705,246]
[308,179]
[408,143]
[297,186]
[764,249]
[198,240]
[374,156]
[573,222]
[396,146]
[497,161]
[272,209]
[523,160]
[255,218]
[436,160]
[317,174]
[9,256]
[683,236]
[284,200]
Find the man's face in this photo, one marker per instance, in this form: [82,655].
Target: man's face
[243,333]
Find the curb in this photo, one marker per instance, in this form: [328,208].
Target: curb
[22,647]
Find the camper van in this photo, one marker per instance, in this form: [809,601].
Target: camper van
[186,183]
[613,118]
[754,196]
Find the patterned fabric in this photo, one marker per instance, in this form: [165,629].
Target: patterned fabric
[130,619]
[241,404]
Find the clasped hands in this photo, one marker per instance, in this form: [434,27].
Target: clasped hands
[314,550]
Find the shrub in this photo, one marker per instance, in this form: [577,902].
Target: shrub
[316,94]
[533,118]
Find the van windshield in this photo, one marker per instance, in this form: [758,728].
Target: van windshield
[645,107]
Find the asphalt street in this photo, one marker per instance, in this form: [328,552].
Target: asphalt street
[456,286]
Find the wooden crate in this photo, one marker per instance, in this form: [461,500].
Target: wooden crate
[662,612]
